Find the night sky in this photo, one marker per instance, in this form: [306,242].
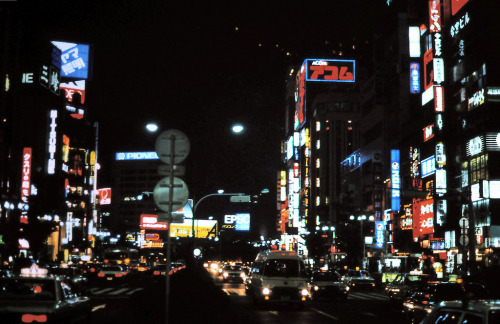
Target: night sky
[199,66]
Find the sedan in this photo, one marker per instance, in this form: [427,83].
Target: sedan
[329,285]
[233,273]
[111,273]
[38,298]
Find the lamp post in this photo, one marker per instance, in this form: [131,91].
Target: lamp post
[362,219]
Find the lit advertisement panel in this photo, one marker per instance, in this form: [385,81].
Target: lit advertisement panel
[379,234]
[395,180]
[300,98]
[25,181]
[434,16]
[51,142]
[438,98]
[428,73]
[329,70]
[414,78]
[75,60]
[241,222]
[72,87]
[428,166]
[149,221]
[423,217]
[124,156]
[104,195]
[456,5]
[428,132]
[414,38]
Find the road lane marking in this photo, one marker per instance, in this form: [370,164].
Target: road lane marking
[133,291]
[324,314]
[95,308]
[119,291]
[102,291]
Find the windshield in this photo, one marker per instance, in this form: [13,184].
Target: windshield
[27,289]
[284,268]
[326,276]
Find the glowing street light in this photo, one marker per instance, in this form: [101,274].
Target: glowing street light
[152,127]
[238,128]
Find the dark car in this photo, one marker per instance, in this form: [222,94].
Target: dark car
[37,298]
[423,299]
[404,284]
[112,273]
[360,279]
[329,285]
[75,276]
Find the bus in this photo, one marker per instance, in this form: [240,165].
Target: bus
[121,255]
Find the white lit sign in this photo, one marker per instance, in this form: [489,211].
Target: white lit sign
[428,166]
[123,156]
[438,98]
[51,164]
[440,182]
[460,24]
[438,70]
[475,146]
[493,141]
[414,37]
[440,155]
[437,45]
[476,100]
[427,95]
[494,189]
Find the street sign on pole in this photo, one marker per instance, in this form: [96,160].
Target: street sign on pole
[161,194]
[170,217]
[181,146]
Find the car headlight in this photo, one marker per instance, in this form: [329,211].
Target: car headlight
[316,288]
[347,288]
[266,291]
[242,275]
[225,274]
[304,292]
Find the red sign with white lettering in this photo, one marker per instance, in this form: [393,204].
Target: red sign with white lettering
[423,217]
[456,5]
[330,70]
[149,221]
[435,16]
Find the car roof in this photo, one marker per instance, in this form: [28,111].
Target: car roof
[481,305]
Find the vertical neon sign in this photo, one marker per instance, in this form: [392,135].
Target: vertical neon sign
[51,163]
[395,182]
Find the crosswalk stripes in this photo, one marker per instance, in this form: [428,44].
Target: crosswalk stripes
[114,291]
[372,295]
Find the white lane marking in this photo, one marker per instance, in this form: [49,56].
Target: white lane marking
[119,291]
[133,291]
[324,314]
[370,314]
[275,313]
[102,291]
[95,308]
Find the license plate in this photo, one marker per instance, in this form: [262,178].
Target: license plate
[109,278]
[285,298]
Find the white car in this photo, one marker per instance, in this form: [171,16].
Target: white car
[112,272]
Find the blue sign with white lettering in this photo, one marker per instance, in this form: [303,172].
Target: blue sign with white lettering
[123,156]
[75,59]
[379,234]
[414,78]
[242,222]
[395,180]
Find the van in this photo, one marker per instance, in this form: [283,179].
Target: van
[278,277]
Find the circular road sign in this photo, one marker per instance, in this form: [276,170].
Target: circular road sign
[180,142]
[463,222]
[464,240]
[161,194]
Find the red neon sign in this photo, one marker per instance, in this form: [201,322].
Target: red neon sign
[456,5]
[435,16]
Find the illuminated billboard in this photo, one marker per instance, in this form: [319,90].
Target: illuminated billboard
[414,40]
[51,142]
[395,180]
[124,156]
[456,5]
[104,195]
[241,222]
[379,234]
[330,70]
[423,217]
[75,59]
[414,78]
[73,87]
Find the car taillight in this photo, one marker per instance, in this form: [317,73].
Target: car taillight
[156,273]
[100,274]
[118,274]
[29,318]
[125,273]
[92,270]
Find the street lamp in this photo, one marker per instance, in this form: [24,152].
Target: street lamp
[361,219]
[238,128]
[152,127]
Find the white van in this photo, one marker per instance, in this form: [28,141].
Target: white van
[278,277]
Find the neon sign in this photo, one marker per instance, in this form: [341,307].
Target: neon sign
[428,132]
[379,234]
[75,60]
[395,181]
[434,16]
[330,70]
[414,78]
[456,5]
[459,25]
[51,164]
[123,156]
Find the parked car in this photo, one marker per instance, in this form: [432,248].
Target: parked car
[329,285]
[34,297]
[423,299]
[112,273]
[474,311]
[404,284]
[359,279]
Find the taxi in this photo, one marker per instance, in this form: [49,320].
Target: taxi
[34,297]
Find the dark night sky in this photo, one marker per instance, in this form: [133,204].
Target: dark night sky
[184,64]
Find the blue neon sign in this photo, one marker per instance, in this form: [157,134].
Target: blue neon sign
[379,234]
[123,156]
[414,78]
[395,180]
[242,222]
[428,166]
[75,59]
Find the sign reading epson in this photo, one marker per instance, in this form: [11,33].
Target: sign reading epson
[123,156]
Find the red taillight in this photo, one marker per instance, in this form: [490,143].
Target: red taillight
[92,270]
[156,273]
[125,273]
[100,274]
[118,274]
[29,318]
[105,261]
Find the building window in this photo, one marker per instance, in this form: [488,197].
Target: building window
[318,200]
[318,182]
[479,168]
[318,164]
[318,126]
